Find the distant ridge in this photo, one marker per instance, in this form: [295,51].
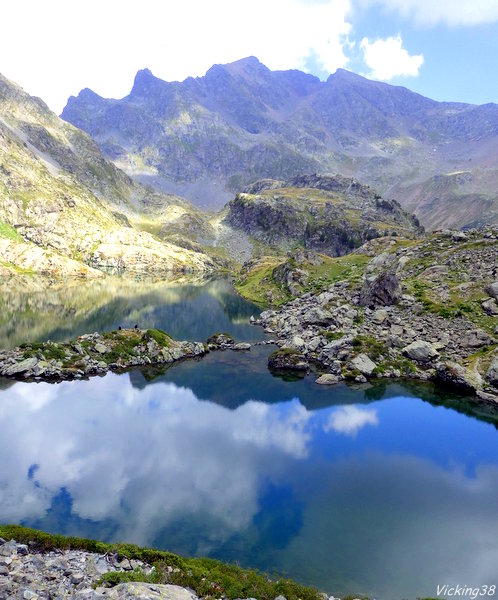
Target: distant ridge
[207,137]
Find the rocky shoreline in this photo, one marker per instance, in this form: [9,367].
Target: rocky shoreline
[375,328]
[95,354]
[45,567]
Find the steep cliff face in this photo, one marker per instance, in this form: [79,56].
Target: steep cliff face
[207,137]
[63,204]
[333,215]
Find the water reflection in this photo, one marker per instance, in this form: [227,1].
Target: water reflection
[388,497]
[188,308]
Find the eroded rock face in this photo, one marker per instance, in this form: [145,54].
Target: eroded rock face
[381,290]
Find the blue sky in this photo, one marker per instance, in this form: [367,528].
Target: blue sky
[440,48]
[459,59]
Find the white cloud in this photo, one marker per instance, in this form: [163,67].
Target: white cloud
[446,12]
[387,58]
[55,48]
[350,419]
[179,454]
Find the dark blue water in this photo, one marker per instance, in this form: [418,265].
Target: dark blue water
[385,490]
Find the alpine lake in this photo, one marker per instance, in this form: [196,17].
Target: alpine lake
[387,490]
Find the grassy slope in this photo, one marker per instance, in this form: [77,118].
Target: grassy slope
[259,280]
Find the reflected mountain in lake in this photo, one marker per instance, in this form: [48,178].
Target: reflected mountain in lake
[187,308]
[350,490]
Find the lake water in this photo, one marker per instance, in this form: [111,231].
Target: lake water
[386,490]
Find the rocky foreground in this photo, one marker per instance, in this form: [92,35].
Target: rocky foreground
[95,354]
[54,567]
[426,310]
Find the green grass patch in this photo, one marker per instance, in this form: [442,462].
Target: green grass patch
[48,350]
[331,336]
[371,346]
[259,283]
[123,344]
[159,336]
[9,232]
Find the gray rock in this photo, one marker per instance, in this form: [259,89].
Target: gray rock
[297,343]
[327,379]
[363,364]
[455,375]
[21,367]
[492,373]
[383,290]
[420,351]
[476,339]
[379,316]
[317,315]
[242,346]
[490,307]
[493,290]
[148,591]
[396,329]
[100,348]
[8,549]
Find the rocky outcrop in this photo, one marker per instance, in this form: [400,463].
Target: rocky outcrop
[438,332]
[420,350]
[287,359]
[45,567]
[329,214]
[31,575]
[95,354]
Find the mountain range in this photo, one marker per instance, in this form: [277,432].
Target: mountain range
[207,137]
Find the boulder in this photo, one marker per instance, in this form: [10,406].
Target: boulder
[21,367]
[327,379]
[420,350]
[493,290]
[316,315]
[242,346]
[383,290]
[379,316]
[490,306]
[363,364]
[287,359]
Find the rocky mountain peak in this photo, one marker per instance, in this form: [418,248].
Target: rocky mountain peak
[243,121]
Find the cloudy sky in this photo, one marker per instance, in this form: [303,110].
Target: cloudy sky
[444,49]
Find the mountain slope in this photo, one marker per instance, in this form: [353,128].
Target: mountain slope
[66,208]
[209,136]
